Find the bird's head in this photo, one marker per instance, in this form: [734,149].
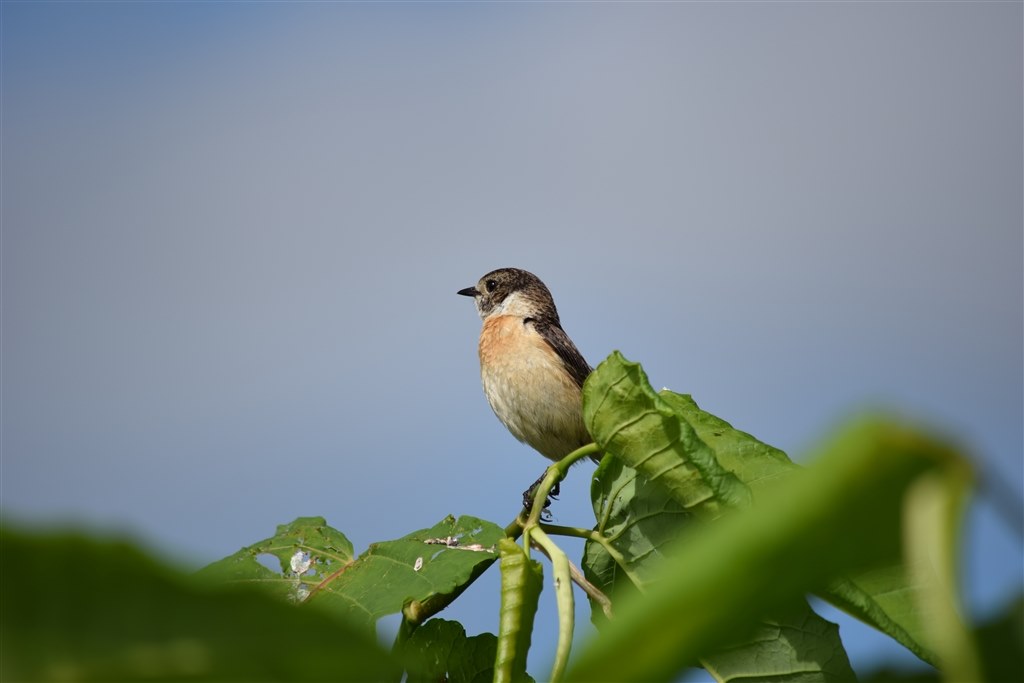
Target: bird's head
[511,291]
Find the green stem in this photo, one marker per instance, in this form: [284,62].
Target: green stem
[574,531]
[555,474]
[596,537]
[405,631]
[515,528]
[563,597]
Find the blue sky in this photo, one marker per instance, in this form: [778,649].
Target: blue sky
[233,232]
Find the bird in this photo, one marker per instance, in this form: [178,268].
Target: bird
[532,372]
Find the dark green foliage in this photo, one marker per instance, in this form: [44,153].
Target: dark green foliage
[440,651]
[79,609]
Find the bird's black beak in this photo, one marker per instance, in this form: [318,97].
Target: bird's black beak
[468,291]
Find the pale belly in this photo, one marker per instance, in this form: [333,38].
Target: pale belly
[529,390]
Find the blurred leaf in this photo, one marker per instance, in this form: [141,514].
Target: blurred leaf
[78,609]
[631,421]
[1000,647]
[932,511]
[415,572]
[1001,644]
[521,582]
[900,676]
[640,520]
[439,650]
[839,516]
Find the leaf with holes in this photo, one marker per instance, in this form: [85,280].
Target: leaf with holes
[415,572]
[307,550]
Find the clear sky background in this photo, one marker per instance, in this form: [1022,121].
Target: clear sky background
[232,234]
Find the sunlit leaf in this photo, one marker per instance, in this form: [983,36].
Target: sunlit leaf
[307,539]
[412,572]
[630,421]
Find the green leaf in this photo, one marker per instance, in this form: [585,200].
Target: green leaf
[755,463]
[641,521]
[521,582]
[416,574]
[638,520]
[633,423]
[439,650]
[1000,642]
[630,420]
[326,550]
[795,645]
[80,609]
[888,598]
[838,516]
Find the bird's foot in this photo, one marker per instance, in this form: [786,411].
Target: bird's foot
[528,495]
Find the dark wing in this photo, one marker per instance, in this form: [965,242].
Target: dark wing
[574,361]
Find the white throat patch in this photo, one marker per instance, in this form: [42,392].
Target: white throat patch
[514,304]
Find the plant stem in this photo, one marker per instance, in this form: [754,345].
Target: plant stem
[562,574]
[596,537]
[590,589]
[555,474]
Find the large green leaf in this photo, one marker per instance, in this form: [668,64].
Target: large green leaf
[630,421]
[641,521]
[706,465]
[839,516]
[415,574]
[440,650]
[753,462]
[78,609]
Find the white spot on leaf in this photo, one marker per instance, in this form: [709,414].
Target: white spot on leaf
[301,561]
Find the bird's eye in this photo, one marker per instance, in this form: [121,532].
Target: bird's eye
[490,285]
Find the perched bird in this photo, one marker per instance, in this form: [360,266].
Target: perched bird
[532,372]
